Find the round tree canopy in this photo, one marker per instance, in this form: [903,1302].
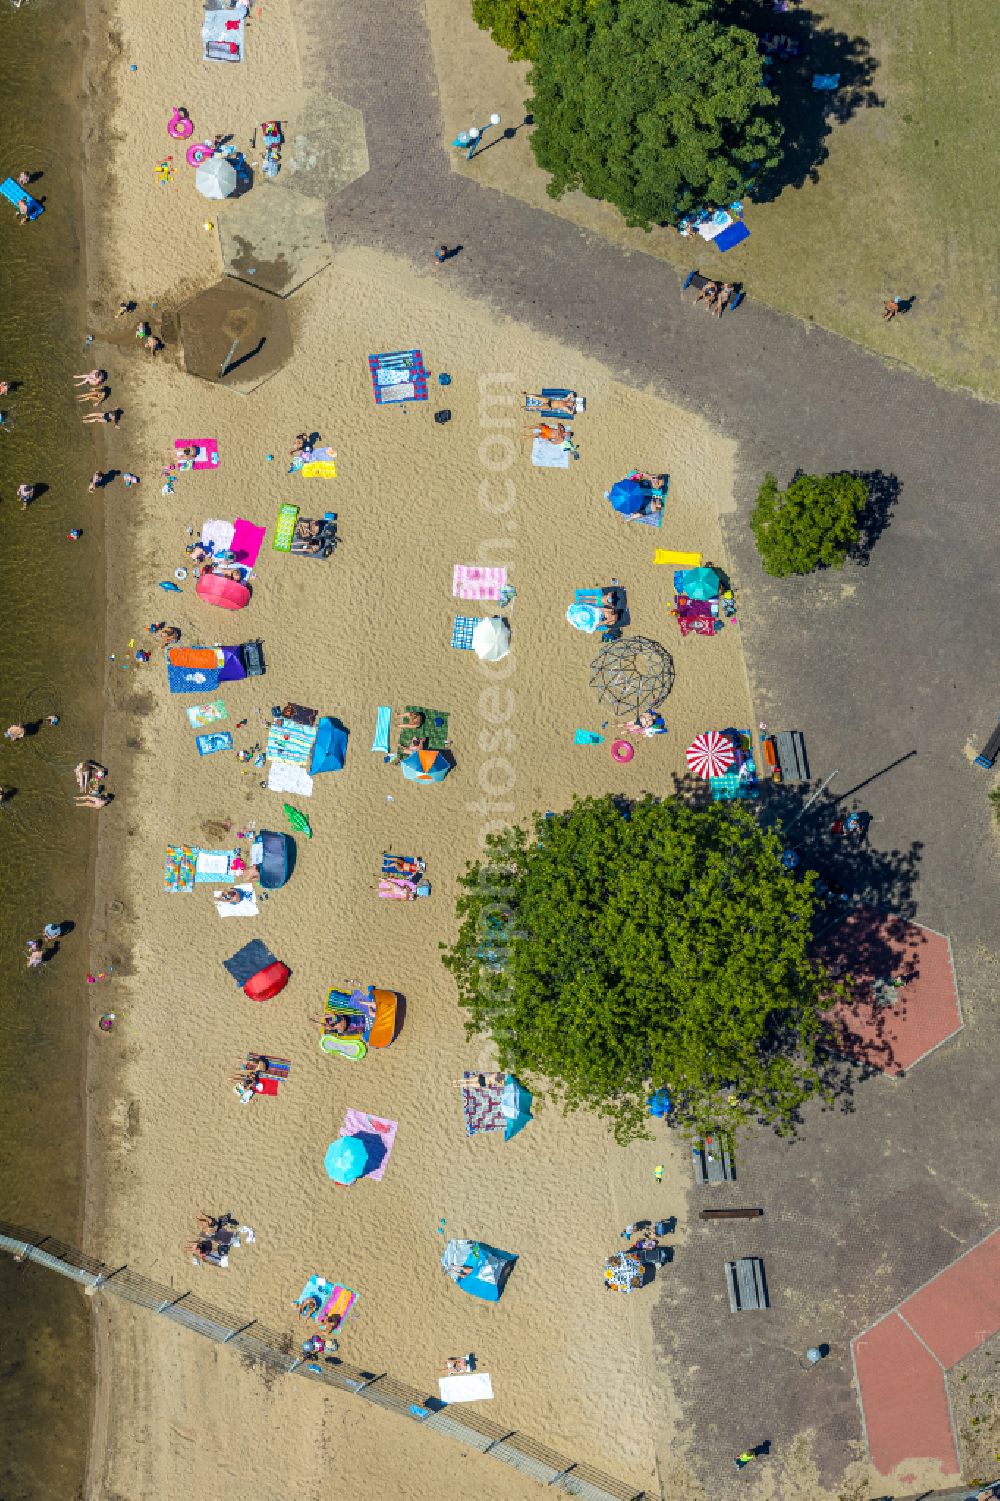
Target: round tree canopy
[633,675]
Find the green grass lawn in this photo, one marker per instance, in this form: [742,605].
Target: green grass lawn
[907,200]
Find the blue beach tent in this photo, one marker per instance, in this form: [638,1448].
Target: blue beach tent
[329,748]
[477,1268]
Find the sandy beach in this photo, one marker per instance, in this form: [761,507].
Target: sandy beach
[370,626]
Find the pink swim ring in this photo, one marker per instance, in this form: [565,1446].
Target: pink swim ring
[622,750]
[180,125]
[199,152]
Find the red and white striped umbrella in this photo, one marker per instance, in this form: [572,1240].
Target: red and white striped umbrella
[710,754]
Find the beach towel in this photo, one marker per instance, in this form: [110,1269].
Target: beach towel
[201,714]
[399,865]
[400,376]
[206,458]
[542,403]
[482,1103]
[826,81]
[209,744]
[15,194]
[277,1068]
[383,724]
[246,908]
[222,32]
[321,465]
[289,740]
[434,729]
[470,582]
[192,679]
[338,1302]
[179,870]
[731,236]
[318,1288]
[587,737]
[461,631]
[288,776]
[213,865]
[358,1123]
[218,535]
[193,656]
[247,542]
[546,455]
[476,1386]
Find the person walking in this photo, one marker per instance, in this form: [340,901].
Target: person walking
[441,254]
[890,309]
[742,1460]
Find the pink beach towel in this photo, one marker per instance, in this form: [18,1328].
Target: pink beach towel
[478,583]
[247,541]
[356,1121]
[207,456]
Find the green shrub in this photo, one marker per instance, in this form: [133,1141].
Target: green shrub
[812,524]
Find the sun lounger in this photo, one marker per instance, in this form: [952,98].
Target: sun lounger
[15,194]
[544,408]
[695,279]
[383,729]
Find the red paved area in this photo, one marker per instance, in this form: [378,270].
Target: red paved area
[959,1310]
[901,1361]
[904,1399]
[869,947]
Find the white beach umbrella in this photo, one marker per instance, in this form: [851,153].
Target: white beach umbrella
[491,639]
[216,178]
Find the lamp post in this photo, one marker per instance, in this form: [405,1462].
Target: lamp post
[470,140]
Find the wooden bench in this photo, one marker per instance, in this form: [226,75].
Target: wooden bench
[745,1281]
[730,1214]
[717,1168]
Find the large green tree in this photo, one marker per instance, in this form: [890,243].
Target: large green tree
[652,105]
[612,951]
[812,524]
[517,25]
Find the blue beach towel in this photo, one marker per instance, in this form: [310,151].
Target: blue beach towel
[461,631]
[192,679]
[731,236]
[14,193]
[209,744]
[383,720]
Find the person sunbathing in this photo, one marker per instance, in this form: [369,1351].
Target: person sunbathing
[411,720]
[398,888]
[550,434]
[457,1365]
[564,404]
[301,446]
[97,396]
[308,529]
[153,344]
[399,865]
[308,1308]
[114,418]
[166,635]
[724,298]
[93,800]
[232,895]
[222,573]
[646,723]
[190,452]
[92,378]
[332,1022]
[708,293]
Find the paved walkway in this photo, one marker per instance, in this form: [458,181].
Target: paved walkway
[889,666]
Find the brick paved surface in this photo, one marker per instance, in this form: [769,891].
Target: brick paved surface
[889,665]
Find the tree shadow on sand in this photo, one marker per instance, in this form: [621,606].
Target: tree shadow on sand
[853,877]
[807,115]
[883,497]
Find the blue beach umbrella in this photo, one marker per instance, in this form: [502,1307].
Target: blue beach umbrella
[700,583]
[345,1160]
[627,497]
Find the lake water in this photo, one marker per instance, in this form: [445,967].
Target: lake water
[51,660]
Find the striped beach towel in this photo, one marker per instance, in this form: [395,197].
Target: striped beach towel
[461,632]
[469,582]
[288,740]
[383,722]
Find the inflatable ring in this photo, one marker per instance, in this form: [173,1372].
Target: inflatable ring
[180,573]
[199,152]
[180,125]
[622,751]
